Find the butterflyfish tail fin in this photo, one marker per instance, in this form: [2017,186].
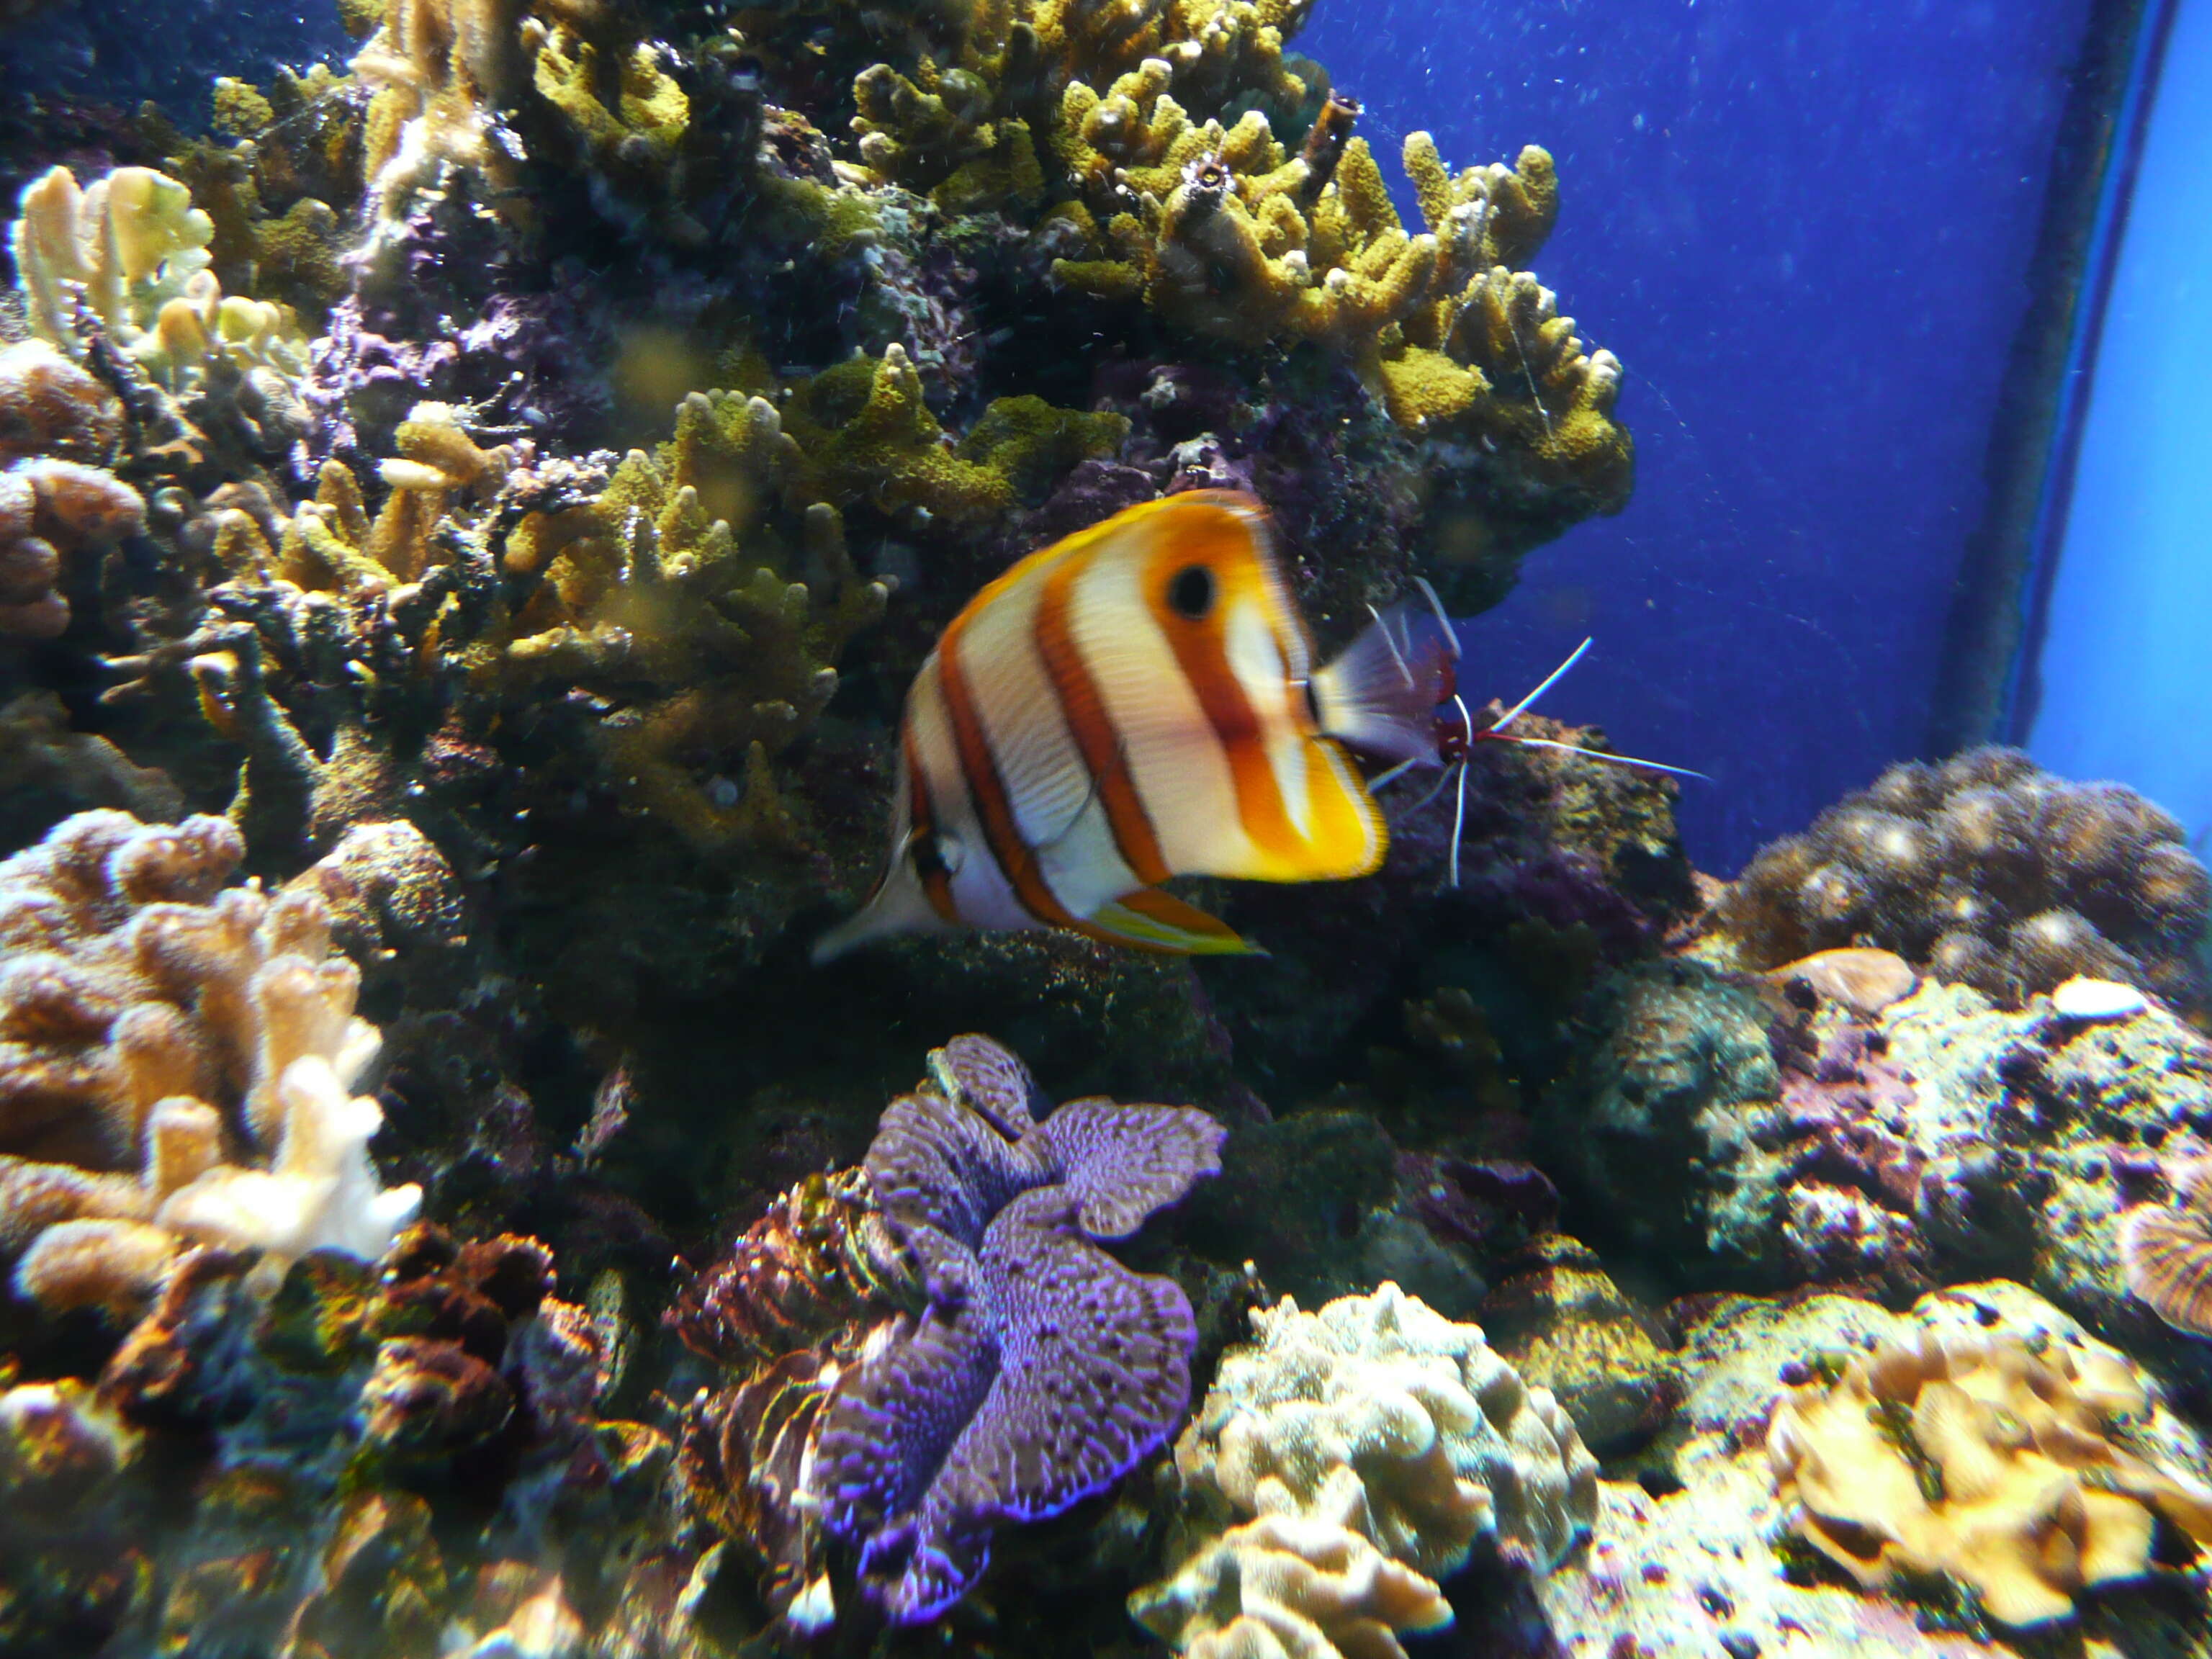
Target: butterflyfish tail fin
[897,906]
[1380,697]
[1152,921]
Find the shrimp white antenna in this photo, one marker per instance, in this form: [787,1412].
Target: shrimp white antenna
[1550,680]
[1459,813]
[1397,657]
[1436,605]
[1383,779]
[1600,755]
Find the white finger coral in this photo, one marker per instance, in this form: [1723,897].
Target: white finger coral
[176,1063]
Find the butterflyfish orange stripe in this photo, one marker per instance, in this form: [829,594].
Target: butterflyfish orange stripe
[1220,542]
[1131,703]
[1016,859]
[1093,731]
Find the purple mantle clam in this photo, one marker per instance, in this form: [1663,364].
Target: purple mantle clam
[1042,1370]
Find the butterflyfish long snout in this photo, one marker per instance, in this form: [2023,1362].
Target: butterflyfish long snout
[1133,703]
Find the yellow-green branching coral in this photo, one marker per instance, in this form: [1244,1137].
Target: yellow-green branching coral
[866,435]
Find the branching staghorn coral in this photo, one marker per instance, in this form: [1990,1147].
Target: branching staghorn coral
[703,618]
[175,1064]
[863,433]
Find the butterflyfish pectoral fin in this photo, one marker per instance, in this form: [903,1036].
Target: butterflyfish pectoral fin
[1152,921]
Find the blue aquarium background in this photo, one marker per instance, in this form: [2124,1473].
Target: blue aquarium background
[1808,232]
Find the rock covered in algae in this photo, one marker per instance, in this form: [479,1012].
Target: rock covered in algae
[1940,1138]
[1556,1317]
[375,1457]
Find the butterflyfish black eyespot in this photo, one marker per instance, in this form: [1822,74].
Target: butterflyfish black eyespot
[1190,591]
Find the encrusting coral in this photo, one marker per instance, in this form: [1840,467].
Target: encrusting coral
[176,1064]
[1392,1440]
[2001,1464]
[1987,871]
[1291,1587]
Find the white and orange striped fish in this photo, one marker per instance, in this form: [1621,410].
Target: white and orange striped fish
[1136,702]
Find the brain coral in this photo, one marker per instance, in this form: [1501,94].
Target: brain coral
[175,1062]
[1988,872]
[2001,1463]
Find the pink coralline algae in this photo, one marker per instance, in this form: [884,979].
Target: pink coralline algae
[1042,1370]
[1854,1178]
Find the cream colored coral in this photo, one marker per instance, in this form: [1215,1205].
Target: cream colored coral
[1383,1399]
[131,251]
[1284,1587]
[175,1062]
[2002,1465]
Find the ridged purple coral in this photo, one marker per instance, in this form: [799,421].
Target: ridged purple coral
[1042,1369]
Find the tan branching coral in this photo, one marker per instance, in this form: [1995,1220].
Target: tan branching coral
[1999,1463]
[175,1063]
[439,71]
[51,511]
[49,406]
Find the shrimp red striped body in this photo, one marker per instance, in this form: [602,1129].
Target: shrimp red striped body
[1136,702]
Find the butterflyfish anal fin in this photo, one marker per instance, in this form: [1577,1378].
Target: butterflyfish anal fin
[1152,921]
